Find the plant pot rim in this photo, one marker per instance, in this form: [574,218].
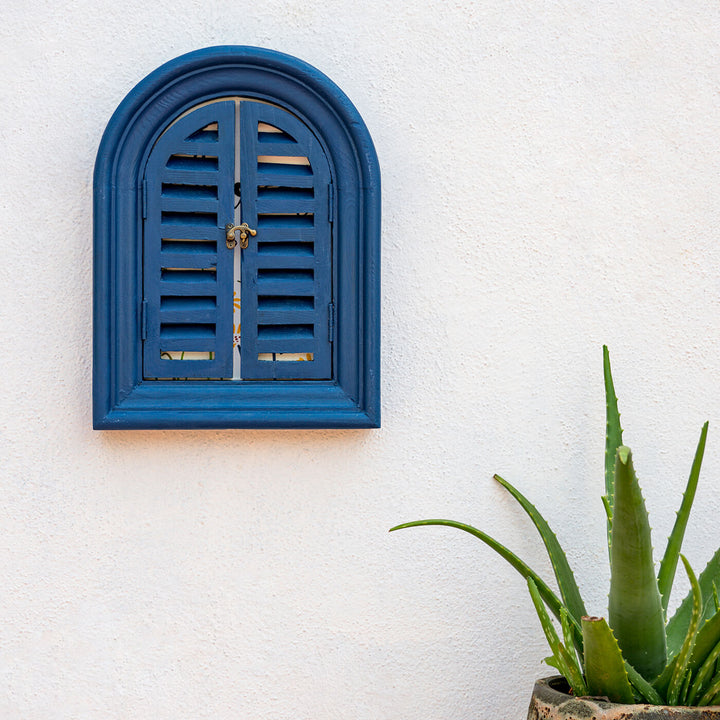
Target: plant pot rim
[549,702]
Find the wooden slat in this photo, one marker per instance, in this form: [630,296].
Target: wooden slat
[189,192]
[285,317]
[284,175]
[193,344]
[189,163]
[301,345]
[184,205]
[188,260]
[190,316]
[286,203]
[179,176]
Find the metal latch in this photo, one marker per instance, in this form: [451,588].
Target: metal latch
[244,229]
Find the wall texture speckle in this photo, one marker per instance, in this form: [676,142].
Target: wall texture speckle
[550,182]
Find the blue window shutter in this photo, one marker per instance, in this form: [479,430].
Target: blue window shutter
[286,279]
[187,268]
[137,313]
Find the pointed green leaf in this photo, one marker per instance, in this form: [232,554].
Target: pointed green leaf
[644,688]
[605,671]
[704,654]
[613,440]
[550,598]
[567,629]
[563,659]
[553,663]
[708,637]
[679,676]
[668,565]
[563,573]
[706,671]
[635,609]
[682,700]
[608,513]
[678,624]
[662,683]
[710,697]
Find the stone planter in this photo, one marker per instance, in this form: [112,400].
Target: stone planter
[550,702]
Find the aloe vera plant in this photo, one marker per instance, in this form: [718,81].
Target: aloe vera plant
[637,654]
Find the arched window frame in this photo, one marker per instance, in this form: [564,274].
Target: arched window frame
[121,397]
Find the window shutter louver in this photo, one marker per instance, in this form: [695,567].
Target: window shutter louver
[286,269]
[188,270]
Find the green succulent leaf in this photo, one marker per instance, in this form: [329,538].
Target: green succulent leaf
[710,697]
[682,700]
[706,672]
[707,638]
[613,440]
[562,658]
[551,660]
[608,514]
[635,609]
[680,677]
[645,690]
[677,626]
[567,630]
[605,672]
[668,565]
[550,598]
[563,573]
[662,682]
[704,655]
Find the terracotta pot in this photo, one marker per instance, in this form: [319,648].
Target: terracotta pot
[550,702]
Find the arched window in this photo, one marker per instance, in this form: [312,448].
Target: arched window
[237,247]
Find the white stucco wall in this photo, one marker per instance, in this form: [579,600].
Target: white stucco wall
[550,183]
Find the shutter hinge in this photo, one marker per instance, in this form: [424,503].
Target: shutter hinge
[331,322]
[331,201]
[144,198]
[143,320]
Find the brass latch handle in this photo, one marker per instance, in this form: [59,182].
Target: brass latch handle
[244,229]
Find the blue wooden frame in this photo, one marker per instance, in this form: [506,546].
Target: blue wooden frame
[122,399]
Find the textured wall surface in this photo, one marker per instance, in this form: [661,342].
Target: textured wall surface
[550,183]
